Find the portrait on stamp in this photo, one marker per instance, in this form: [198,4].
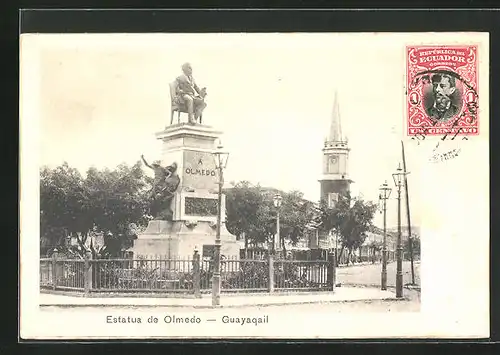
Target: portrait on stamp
[442,97]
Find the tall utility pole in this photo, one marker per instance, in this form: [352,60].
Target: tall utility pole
[385,193]
[410,240]
[398,177]
[399,261]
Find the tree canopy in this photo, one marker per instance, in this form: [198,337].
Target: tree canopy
[105,201]
[415,245]
[350,219]
[251,211]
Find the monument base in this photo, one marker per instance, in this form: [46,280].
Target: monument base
[179,239]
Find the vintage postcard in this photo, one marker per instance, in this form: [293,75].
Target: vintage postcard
[294,185]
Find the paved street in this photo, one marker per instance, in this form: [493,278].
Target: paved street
[337,307]
[408,305]
[370,274]
[342,294]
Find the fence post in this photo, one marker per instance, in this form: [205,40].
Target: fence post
[88,273]
[196,274]
[54,268]
[330,276]
[271,272]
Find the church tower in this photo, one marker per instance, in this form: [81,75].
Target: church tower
[335,179]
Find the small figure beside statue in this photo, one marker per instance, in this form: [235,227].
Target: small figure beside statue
[165,184]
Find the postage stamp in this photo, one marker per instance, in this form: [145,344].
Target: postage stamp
[442,90]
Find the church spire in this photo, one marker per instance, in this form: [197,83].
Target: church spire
[335,125]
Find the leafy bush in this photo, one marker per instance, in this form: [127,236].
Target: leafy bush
[107,275]
[250,275]
[245,275]
[289,275]
[116,275]
[256,275]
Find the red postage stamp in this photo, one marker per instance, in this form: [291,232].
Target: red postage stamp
[442,90]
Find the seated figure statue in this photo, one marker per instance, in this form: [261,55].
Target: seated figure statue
[189,94]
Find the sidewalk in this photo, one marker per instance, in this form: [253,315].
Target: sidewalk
[342,294]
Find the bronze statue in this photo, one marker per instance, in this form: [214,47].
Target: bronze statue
[165,184]
[190,95]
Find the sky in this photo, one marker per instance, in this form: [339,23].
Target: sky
[103,97]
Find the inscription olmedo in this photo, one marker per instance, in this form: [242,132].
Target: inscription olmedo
[200,172]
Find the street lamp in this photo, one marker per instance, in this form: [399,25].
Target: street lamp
[277,203]
[398,177]
[221,159]
[385,193]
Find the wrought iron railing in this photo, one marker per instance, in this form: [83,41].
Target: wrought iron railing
[187,276]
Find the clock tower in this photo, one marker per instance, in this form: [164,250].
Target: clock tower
[335,180]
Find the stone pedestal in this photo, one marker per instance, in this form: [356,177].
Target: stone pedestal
[194,205]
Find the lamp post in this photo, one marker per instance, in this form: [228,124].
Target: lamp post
[221,159]
[385,193]
[337,261]
[398,177]
[277,203]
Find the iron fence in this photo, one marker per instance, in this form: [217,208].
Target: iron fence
[185,276]
[244,275]
[46,272]
[64,274]
[292,275]
[142,275]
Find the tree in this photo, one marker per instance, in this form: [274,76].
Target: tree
[357,221]
[295,214]
[243,210]
[117,198]
[62,204]
[415,244]
[251,211]
[351,218]
[106,201]
[375,246]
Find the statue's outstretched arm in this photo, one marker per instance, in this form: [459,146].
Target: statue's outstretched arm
[145,162]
